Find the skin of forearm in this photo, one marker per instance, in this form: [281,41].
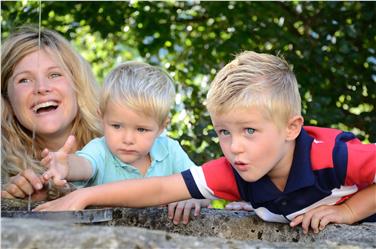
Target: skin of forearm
[362,204]
[79,168]
[138,192]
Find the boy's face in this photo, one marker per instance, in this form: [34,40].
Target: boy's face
[253,144]
[129,135]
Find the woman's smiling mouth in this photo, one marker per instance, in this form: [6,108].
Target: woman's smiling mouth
[45,107]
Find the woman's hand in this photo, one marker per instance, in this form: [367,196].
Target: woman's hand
[24,184]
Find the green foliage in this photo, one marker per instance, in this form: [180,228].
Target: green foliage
[331,46]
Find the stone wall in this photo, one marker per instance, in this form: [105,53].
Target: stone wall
[150,228]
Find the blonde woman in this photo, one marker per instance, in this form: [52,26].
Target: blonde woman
[48,92]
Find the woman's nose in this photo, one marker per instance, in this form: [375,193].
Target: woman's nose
[42,86]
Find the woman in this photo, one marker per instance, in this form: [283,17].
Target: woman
[48,92]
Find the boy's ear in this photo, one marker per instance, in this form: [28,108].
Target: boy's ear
[164,125]
[294,127]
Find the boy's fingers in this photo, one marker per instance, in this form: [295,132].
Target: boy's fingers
[296,221]
[323,222]
[315,221]
[171,210]
[59,182]
[69,145]
[197,209]
[186,212]
[46,161]
[178,212]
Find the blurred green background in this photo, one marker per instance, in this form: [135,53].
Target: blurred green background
[331,46]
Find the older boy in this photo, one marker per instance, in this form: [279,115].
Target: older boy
[289,173]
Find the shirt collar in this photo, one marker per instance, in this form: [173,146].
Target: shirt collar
[159,150]
[300,176]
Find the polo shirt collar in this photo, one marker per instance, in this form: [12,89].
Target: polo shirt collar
[300,176]
[159,150]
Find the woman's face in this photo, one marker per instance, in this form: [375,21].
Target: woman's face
[42,96]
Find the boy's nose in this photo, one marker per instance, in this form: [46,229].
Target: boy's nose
[128,137]
[236,146]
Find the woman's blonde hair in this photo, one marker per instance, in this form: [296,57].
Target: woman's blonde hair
[254,79]
[17,150]
[142,87]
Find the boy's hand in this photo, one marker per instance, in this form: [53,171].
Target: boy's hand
[57,162]
[70,202]
[239,205]
[182,209]
[321,216]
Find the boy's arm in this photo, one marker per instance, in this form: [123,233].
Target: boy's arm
[150,191]
[79,168]
[359,206]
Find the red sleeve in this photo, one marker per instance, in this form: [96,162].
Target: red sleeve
[220,179]
[361,165]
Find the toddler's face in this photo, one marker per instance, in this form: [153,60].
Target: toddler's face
[129,135]
[253,144]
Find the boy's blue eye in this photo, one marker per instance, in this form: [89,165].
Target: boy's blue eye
[224,132]
[141,129]
[249,131]
[116,126]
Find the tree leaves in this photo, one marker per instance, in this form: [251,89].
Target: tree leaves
[331,46]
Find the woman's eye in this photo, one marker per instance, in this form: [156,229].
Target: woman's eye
[249,131]
[23,80]
[224,132]
[54,75]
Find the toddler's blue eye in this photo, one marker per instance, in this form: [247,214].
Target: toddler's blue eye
[116,126]
[250,131]
[141,129]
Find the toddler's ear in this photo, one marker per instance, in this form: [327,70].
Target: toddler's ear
[294,127]
[164,125]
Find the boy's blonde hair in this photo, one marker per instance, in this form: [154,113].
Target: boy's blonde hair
[141,87]
[254,79]
[17,152]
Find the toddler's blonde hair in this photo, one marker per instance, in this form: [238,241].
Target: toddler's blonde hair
[143,88]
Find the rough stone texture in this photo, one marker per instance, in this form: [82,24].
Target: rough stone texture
[150,228]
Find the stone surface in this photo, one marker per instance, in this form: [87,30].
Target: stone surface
[150,228]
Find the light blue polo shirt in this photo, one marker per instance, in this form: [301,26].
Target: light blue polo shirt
[167,157]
